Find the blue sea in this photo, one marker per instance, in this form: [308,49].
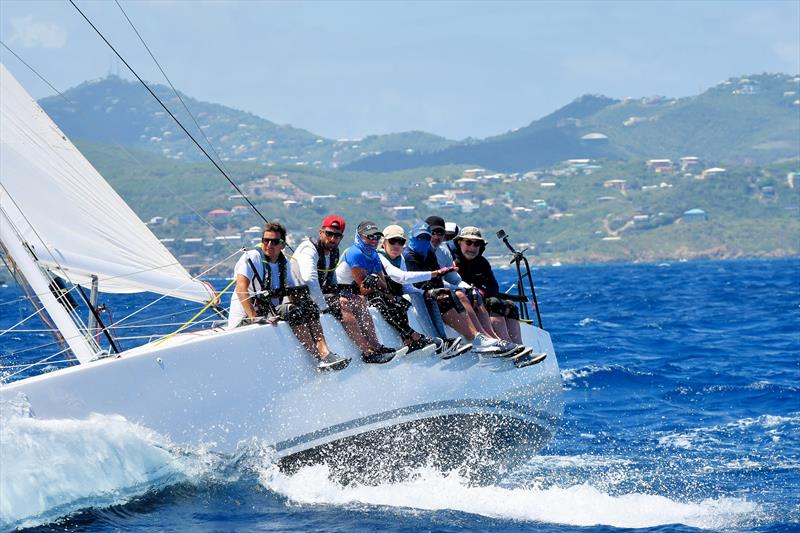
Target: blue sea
[682,391]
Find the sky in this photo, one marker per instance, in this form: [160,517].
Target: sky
[456,69]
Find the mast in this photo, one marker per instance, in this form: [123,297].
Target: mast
[28,265]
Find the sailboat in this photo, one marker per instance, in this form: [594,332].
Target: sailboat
[61,220]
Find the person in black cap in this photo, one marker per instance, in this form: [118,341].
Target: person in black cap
[361,268]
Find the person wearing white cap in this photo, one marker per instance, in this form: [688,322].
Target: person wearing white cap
[400,281]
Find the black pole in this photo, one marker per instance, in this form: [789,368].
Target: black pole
[519,257]
[103,327]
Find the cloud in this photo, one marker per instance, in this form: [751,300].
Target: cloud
[28,33]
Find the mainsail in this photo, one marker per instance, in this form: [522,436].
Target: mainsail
[75,224]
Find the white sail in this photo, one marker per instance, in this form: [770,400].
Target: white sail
[70,217]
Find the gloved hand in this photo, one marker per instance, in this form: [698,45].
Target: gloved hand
[371,282]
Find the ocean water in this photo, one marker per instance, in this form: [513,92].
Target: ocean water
[682,391]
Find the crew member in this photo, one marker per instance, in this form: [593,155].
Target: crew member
[314,264]
[262,281]
[361,268]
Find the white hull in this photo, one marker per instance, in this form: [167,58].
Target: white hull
[224,387]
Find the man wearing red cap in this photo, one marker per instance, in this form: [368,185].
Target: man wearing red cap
[314,264]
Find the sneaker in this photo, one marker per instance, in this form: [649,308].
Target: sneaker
[444,346]
[419,344]
[381,355]
[460,349]
[484,345]
[529,359]
[332,362]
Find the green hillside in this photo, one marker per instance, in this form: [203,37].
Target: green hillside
[567,213]
[748,119]
[114,110]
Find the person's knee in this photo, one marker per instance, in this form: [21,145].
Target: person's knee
[462,296]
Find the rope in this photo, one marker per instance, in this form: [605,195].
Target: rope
[178,122]
[203,310]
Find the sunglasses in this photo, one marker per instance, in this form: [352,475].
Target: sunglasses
[373,237]
[424,237]
[437,232]
[470,242]
[333,234]
[273,242]
[396,240]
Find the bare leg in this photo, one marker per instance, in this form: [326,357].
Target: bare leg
[499,325]
[358,304]
[306,338]
[473,316]
[461,323]
[514,331]
[352,327]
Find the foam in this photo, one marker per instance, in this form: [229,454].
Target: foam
[576,505]
[51,468]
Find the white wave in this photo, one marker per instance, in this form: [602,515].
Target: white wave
[51,468]
[576,505]
[773,425]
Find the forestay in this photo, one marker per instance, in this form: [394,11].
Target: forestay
[71,218]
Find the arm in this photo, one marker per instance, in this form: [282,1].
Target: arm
[403,276]
[243,293]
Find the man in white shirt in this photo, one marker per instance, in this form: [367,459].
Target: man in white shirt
[314,264]
[265,269]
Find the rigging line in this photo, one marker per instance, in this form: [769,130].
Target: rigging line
[35,72]
[119,145]
[168,294]
[30,365]
[178,122]
[174,90]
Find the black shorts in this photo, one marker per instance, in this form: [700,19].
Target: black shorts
[497,307]
[446,304]
[296,313]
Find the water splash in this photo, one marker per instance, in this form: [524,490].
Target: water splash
[52,468]
[576,505]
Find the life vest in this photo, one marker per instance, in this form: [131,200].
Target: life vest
[325,273]
[266,281]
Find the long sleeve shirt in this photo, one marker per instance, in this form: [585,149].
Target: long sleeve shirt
[402,276]
[304,268]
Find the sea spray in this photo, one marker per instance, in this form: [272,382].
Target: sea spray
[51,468]
[576,505]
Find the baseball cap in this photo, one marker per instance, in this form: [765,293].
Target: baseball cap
[421,228]
[332,221]
[367,228]
[390,232]
[435,222]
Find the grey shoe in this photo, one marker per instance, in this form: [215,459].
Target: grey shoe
[332,362]
[484,345]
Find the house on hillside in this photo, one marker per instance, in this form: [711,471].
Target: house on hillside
[218,214]
[711,172]
[473,173]
[694,215]
[615,184]
[688,162]
[659,165]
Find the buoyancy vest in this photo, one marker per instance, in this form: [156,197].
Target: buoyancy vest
[325,273]
[266,281]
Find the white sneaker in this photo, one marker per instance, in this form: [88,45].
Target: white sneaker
[482,344]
